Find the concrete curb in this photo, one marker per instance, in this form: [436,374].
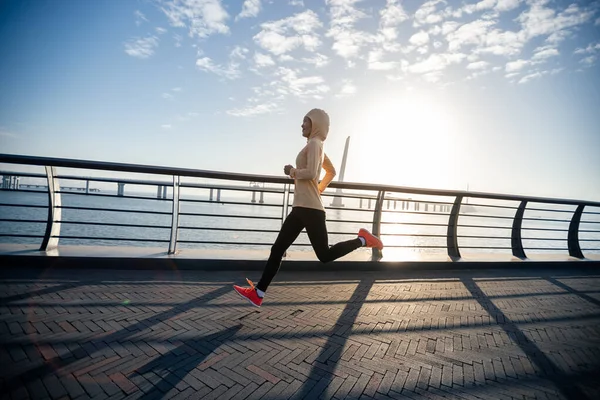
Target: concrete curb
[133,263]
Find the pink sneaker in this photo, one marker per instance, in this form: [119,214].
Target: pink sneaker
[370,239]
[249,293]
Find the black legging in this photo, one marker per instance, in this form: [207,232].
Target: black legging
[314,222]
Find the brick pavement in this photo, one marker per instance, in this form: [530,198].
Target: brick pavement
[491,334]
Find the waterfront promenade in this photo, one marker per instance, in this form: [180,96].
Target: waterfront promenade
[526,333]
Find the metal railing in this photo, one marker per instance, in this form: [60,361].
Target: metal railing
[436,215]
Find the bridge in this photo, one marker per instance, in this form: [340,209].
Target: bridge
[86,314]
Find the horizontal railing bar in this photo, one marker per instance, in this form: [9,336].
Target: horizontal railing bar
[111,224]
[232,243]
[350,221]
[23,235]
[486,247]
[588,231]
[26,174]
[36,221]
[556,239]
[147,169]
[550,210]
[229,216]
[412,235]
[589,240]
[409,223]
[22,205]
[346,209]
[545,229]
[111,238]
[485,216]
[115,210]
[43,191]
[591,213]
[415,212]
[112,196]
[231,188]
[547,220]
[399,246]
[546,248]
[231,202]
[205,228]
[117,180]
[490,206]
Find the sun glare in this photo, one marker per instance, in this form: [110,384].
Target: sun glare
[409,134]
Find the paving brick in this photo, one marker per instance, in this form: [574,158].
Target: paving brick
[428,338]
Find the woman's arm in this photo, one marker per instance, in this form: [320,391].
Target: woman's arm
[329,174]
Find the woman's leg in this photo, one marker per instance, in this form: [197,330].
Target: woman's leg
[314,221]
[290,230]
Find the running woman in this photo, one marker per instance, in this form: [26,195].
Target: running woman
[307,210]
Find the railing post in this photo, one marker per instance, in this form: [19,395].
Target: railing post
[515,238]
[175,216]
[376,253]
[452,236]
[50,240]
[573,238]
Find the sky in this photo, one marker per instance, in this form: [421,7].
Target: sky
[498,96]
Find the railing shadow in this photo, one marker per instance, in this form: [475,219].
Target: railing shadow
[563,383]
[174,369]
[578,293]
[315,384]
[58,363]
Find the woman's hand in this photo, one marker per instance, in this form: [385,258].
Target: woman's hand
[287,169]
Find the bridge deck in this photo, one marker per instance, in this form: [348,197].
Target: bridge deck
[185,334]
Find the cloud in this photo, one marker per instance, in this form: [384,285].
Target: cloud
[435,63]
[347,41]
[591,48]
[160,31]
[139,17]
[426,13]
[478,65]
[168,96]
[202,18]
[471,33]
[302,87]
[239,52]
[419,38]
[250,8]
[348,89]
[263,60]
[253,110]
[231,71]
[542,53]
[282,36]
[597,23]
[318,60]
[480,6]
[507,5]
[141,47]
[375,62]
[178,40]
[298,3]
[391,16]
[176,89]
[166,126]
[540,20]
[529,77]
[591,53]
[516,65]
